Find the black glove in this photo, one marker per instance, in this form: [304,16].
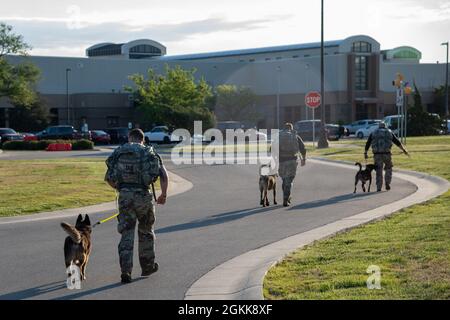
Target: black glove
[366,156]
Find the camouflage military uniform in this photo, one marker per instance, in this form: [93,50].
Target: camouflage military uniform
[381,141]
[288,160]
[287,171]
[383,160]
[135,204]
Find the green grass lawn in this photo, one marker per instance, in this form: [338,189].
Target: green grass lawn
[29,186]
[412,247]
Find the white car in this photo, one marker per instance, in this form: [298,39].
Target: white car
[159,134]
[366,131]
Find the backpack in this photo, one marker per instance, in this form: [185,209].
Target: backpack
[134,166]
[381,140]
[288,144]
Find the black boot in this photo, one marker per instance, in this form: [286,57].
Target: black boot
[125,277]
[148,271]
[388,187]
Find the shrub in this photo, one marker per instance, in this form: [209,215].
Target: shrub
[43,144]
[82,145]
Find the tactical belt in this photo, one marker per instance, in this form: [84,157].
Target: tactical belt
[382,152]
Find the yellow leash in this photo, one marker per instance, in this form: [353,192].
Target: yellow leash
[107,219]
[111,217]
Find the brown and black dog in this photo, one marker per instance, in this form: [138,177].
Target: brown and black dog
[266,183]
[78,245]
[364,176]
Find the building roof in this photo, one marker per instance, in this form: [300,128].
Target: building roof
[228,53]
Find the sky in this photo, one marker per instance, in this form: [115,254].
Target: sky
[67,28]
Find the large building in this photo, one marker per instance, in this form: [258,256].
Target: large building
[358,79]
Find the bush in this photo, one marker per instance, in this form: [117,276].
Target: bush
[82,145]
[43,144]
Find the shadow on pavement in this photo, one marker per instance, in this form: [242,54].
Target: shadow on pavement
[216,219]
[82,293]
[330,201]
[34,292]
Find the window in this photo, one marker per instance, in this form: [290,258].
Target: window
[361,78]
[252,60]
[145,48]
[295,56]
[361,46]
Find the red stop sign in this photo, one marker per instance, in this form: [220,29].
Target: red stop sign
[312,99]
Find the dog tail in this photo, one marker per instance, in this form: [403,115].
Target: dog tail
[358,164]
[72,232]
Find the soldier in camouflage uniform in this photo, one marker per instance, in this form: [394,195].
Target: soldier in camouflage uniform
[131,169]
[290,144]
[381,142]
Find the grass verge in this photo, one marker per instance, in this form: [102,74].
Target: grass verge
[411,247]
[31,186]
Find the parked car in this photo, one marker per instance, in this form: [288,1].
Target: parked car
[447,122]
[224,125]
[160,134]
[100,137]
[62,132]
[354,126]
[305,129]
[118,135]
[365,132]
[29,136]
[335,131]
[8,134]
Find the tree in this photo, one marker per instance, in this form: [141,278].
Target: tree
[420,122]
[174,99]
[16,81]
[34,117]
[236,103]
[438,105]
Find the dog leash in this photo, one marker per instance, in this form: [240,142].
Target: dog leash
[107,219]
[117,207]
[111,217]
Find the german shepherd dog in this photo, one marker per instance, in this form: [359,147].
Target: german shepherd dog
[266,183]
[364,176]
[78,245]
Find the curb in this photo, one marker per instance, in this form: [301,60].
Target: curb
[177,185]
[241,278]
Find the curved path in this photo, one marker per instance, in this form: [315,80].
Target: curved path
[217,220]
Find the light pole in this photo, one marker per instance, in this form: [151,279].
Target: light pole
[446,81]
[278,96]
[323,142]
[67,94]
[307,88]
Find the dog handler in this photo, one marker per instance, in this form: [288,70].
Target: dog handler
[290,144]
[132,168]
[381,142]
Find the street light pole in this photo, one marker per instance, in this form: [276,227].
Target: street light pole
[67,95]
[323,142]
[307,89]
[278,95]
[446,81]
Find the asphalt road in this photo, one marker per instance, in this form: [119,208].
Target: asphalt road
[218,219]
